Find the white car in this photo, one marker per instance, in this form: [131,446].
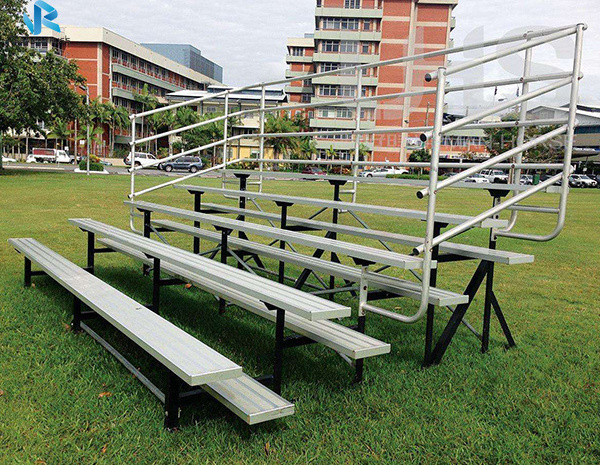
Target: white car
[383,172]
[142,159]
[495,176]
[49,156]
[583,180]
[478,179]
[8,160]
[526,180]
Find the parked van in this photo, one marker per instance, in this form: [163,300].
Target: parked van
[141,159]
[49,156]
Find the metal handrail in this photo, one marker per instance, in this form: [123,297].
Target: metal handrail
[433,133]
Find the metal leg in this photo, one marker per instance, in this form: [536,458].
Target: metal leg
[224,253]
[197,208]
[156,284]
[27,272]
[147,232]
[172,403]
[487,310]
[76,323]
[91,246]
[431,308]
[360,364]
[284,209]
[455,320]
[502,320]
[279,346]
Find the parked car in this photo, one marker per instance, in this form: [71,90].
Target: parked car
[596,178]
[478,179]
[8,159]
[495,176]
[49,156]
[581,180]
[191,164]
[314,170]
[527,180]
[141,159]
[383,172]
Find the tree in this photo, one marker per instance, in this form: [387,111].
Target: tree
[500,140]
[148,102]
[32,86]
[280,125]
[118,118]
[60,132]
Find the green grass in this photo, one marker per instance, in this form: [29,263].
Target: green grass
[539,403]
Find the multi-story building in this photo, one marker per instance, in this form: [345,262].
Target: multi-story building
[116,68]
[352,32]
[248,124]
[189,56]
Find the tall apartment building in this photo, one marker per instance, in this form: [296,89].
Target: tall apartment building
[115,68]
[352,32]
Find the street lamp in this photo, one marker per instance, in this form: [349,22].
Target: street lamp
[87,96]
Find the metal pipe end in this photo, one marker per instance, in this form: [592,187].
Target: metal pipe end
[423,137]
[416,252]
[420,195]
[585,26]
[428,77]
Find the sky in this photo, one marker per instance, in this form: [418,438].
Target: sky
[248,37]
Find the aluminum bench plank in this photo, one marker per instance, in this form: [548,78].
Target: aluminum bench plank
[191,360]
[250,400]
[335,336]
[357,207]
[266,290]
[346,248]
[438,297]
[466,250]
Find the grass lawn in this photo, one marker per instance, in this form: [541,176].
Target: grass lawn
[64,400]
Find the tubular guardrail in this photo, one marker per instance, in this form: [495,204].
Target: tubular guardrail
[512,159]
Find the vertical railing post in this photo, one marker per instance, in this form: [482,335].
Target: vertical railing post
[132,159]
[225,139]
[574,100]
[357,135]
[433,180]
[261,165]
[516,172]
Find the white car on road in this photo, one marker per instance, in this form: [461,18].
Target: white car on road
[383,172]
[8,160]
[583,180]
[478,179]
[142,159]
[495,176]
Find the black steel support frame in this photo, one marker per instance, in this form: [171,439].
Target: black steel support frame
[485,271]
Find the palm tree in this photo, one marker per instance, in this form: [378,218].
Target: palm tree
[96,133]
[118,118]
[280,125]
[60,131]
[148,101]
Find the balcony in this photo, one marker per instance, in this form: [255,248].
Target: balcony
[337,123]
[370,104]
[292,74]
[345,80]
[325,144]
[299,90]
[145,77]
[358,35]
[298,59]
[345,58]
[349,12]
[119,64]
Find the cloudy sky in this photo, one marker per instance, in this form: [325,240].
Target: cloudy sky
[247,37]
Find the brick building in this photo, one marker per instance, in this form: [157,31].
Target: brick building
[351,32]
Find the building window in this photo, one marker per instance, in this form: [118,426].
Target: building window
[365,49]
[348,46]
[306,98]
[330,46]
[297,51]
[367,25]
[319,3]
[307,83]
[352,4]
